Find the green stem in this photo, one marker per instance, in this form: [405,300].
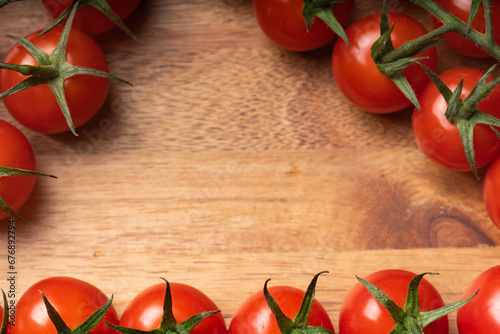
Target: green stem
[450,24]
[469,106]
[489,21]
[407,48]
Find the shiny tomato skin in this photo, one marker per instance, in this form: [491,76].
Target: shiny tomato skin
[255,316]
[360,312]
[439,139]
[74,299]
[145,311]
[16,152]
[357,75]
[491,191]
[37,108]
[460,8]
[480,315]
[90,20]
[282,22]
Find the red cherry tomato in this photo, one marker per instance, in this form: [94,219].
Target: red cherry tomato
[439,139]
[37,108]
[145,311]
[15,152]
[491,191]
[461,9]
[360,312]
[480,315]
[357,75]
[282,22]
[74,300]
[255,316]
[90,20]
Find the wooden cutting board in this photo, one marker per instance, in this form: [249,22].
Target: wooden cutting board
[231,161]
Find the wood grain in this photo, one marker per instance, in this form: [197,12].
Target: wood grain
[231,161]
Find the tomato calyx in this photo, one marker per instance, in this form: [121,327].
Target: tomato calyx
[9,171]
[168,323]
[299,323]
[409,319]
[464,113]
[323,10]
[393,68]
[85,327]
[52,69]
[100,5]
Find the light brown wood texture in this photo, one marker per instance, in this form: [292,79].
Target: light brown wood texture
[231,161]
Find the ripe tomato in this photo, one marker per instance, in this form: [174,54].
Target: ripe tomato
[461,8]
[90,20]
[480,315]
[360,312]
[15,152]
[357,75]
[74,300]
[255,316]
[37,107]
[491,191]
[439,139]
[145,311]
[282,22]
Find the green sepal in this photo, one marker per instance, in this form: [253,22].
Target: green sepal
[323,10]
[409,319]
[85,327]
[100,5]
[168,323]
[9,171]
[444,90]
[5,207]
[41,57]
[5,319]
[455,104]
[6,2]
[397,313]
[474,8]
[299,323]
[429,317]
[53,69]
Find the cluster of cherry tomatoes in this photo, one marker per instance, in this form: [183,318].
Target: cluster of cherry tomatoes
[43,75]
[181,308]
[359,79]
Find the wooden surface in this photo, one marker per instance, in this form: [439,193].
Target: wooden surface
[231,161]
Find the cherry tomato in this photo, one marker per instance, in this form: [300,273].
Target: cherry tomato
[90,20]
[282,22]
[357,75]
[75,300]
[439,139]
[480,315]
[255,316]
[15,152]
[145,311]
[461,9]
[491,191]
[360,312]
[37,108]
